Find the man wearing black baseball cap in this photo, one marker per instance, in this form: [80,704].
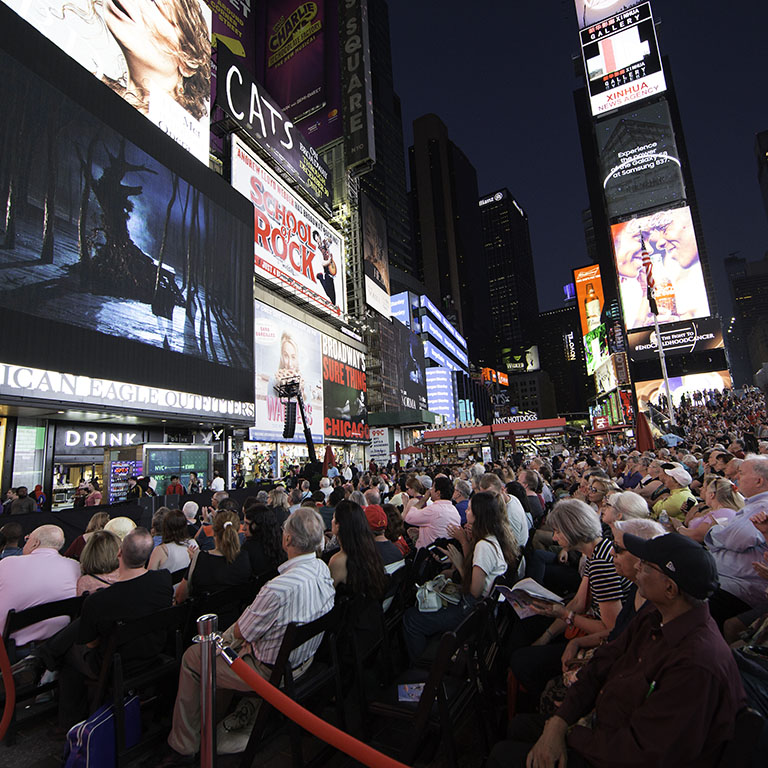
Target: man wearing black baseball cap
[665,692]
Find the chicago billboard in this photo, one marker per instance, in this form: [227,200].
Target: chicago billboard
[670,240]
[146,266]
[621,60]
[285,349]
[294,247]
[589,296]
[344,392]
[677,338]
[157,56]
[639,161]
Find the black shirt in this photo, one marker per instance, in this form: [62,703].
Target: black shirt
[123,601]
[388,551]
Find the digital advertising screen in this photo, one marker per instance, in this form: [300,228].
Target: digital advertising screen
[344,392]
[412,381]
[300,64]
[294,247]
[606,377]
[677,338]
[133,274]
[596,348]
[680,289]
[156,55]
[639,161]
[590,12]
[621,60]
[376,257]
[589,296]
[440,394]
[650,391]
[285,349]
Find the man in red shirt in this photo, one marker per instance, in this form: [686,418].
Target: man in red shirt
[174,488]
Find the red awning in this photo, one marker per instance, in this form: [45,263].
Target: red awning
[462,434]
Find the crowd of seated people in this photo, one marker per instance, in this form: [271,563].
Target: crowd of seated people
[659,558]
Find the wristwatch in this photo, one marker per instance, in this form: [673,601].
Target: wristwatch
[569,618]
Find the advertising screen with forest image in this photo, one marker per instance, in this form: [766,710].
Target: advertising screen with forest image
[116,265]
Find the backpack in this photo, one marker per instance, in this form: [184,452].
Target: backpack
[91,744]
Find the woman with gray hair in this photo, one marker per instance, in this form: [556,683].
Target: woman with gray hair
[595,608]
[623,506]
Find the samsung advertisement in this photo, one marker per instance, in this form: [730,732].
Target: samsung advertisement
[676,267]
[621,60]
[113,265]
[639,161]
[156,55]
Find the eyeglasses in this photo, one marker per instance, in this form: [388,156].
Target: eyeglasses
[645,565]
[617,549]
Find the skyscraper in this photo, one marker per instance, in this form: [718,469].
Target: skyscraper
[447,232]
[514,303]
[761,155]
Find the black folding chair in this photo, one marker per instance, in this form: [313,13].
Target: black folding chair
[17,620]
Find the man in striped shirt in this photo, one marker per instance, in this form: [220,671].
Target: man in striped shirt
[302,592]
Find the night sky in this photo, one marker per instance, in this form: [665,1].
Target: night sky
[499,74]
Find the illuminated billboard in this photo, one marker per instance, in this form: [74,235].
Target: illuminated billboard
[680,290]
[375,257]
[157,56]
[285,349]
[440,392]
[589,296]
[412,383]
[589,12]
[148,268]
[677,338]
[639,161]
[606,377]
[294,247]
[621,60]
[653,389]
[344,392]
[596,348]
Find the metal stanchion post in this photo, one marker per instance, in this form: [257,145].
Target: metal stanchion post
[207,637]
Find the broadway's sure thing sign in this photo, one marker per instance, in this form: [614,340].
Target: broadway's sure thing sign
[344,392]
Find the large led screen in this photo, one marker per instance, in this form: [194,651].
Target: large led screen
[677,338]
[113,265]
[589,296]
[621,60]
[376,258]
[596,348]
[652,390]
[294,247]
[412,382]
[285,349]
[589,12]
[680,290]
[156,55]
[639,162]
[345,389]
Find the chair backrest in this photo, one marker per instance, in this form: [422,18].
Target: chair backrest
[741,750]
[17,620]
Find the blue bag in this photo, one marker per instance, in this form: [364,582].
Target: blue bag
[91,744]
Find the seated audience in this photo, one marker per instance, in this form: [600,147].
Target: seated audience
[433,520]
[10,538]
[721,503]
[98,562]
[677,481]
[120,526]
[173,554]
[516,514]
[263,539]
[390,553]
[96,523]
[623,506]
[396,529]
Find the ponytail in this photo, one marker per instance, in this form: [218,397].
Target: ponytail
[226,526]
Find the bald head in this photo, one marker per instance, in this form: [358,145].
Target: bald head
[136,548]
[45,537]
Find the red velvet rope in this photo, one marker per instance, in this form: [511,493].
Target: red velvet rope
[10,690]
[315,725]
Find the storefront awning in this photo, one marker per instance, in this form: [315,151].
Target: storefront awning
[607,430]
[462,434]
[537,427]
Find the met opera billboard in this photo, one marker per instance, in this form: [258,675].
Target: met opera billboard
[639,162]
[680,290]
[285,349]
[147,267]
[157,56]
[294,247]
[621,60]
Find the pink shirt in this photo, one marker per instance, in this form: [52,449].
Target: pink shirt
[433,521]
[39,577]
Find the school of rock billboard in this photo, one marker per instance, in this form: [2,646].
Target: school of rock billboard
[174,35]
[286,350]
[294,247]
[344,392]
[670,240]
[621,60]
[639,161]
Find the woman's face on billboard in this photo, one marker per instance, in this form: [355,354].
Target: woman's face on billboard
[629,257]
[148,37]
